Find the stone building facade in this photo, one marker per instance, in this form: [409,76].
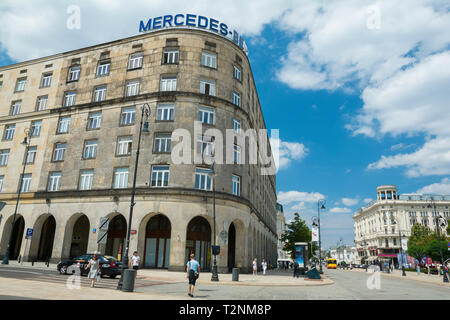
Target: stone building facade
[380,224]
[84,108]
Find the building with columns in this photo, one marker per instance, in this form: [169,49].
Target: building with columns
[380,224]
[84,110]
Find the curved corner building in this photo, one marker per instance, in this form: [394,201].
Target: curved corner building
[84,110]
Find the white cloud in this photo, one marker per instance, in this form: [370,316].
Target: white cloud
[288,197]
[440,188]
[31,31]
[340,210]
[288,152]
[367,200]
[349,202]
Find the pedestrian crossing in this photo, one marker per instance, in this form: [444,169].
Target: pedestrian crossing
[105,283]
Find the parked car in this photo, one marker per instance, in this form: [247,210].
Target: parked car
[109,266]
[364,266]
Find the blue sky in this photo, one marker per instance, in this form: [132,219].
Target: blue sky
[358,89]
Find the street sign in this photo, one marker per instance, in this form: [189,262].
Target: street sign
[29,232]
[103,230]
[223,236]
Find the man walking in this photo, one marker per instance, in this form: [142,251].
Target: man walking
[264,266]
[193,272]
[135,260]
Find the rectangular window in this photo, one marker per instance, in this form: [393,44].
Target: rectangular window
[162,142]
[165,112]
[103,69]
[74,73]
[94,121]
[160,176]
[54,181]
[168,83]
[86,179]
[128,115]
[69,98]
[236,154]
[120,178]
[15,108]
[236,180]
[237,73]
[170,56]
[26,181]
[58,153]
[63,125]
[2,178]
[46,80]
[135,61]
[9,131]
[209,60]
[236,98]
[90,149]
[206,115]
[20,85]
[31,155]
[4,156]
[41,104]
[36,127]
[99,94]
[205,145]
[203,179]
[237,125]
[124,145]
[132,88]
[207,87]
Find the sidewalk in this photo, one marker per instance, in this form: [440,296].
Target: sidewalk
[423,277]
[273,278]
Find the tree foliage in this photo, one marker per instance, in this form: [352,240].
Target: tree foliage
[418,241]
[296,231]
[433,250]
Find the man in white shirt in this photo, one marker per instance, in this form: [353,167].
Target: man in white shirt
[135,259]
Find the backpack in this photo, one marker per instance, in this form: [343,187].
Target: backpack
[192,273]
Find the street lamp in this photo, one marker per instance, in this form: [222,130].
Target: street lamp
[438,232]
[146,113]
[320,205]
[401,245]
[26,141]
[215,274]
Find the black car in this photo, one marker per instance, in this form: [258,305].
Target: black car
[109,266]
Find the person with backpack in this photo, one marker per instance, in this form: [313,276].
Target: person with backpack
[193,272]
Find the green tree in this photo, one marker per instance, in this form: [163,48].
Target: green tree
[418,241]
[433,250]
[448,230]
[296,231]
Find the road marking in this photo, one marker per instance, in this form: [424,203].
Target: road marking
[2,269]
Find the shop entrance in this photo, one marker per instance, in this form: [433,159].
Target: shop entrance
[46,240]
[157,242]
[117,232]
[198,241]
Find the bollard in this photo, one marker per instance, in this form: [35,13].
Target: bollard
[19,258]
[32,263]
[235,275]
[129,276]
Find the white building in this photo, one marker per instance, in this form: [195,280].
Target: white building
[281,229]
[344,253]
[380,224]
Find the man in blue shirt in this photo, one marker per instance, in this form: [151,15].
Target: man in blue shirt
[193,272]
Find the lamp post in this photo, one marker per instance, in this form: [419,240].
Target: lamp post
[397,222]
[320,205]
[431,204]
[146,113]
[26,141]
[215,274]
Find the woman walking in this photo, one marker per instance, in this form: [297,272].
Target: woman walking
[94,273]
[255,267]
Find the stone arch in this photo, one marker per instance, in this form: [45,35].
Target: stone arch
[76,236]
[154,238]
[44,229]
[18,231]
[117,233]
[239,243]
[199,233]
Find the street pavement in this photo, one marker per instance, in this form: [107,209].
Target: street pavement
[40,282]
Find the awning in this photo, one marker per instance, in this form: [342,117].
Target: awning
[388,255]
